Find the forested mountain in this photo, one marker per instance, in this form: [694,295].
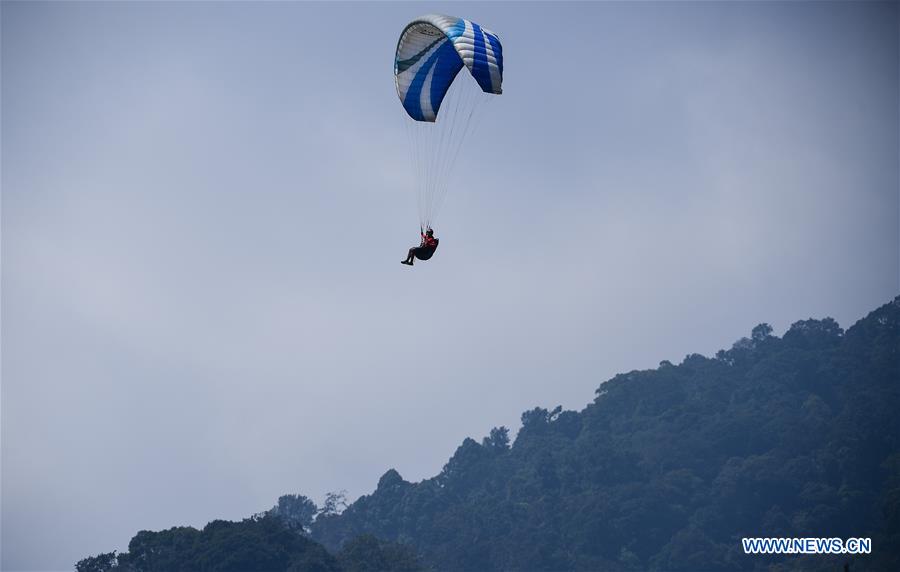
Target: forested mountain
[667,469]
[263,542]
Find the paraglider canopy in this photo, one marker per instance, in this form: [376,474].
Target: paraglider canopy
[431,51]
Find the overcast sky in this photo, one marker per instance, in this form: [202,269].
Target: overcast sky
[204,206]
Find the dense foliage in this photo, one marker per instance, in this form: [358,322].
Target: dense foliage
[667,469]
[260,543]
[274,540]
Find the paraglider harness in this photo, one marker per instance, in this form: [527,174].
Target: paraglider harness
[425,250]
[427,247]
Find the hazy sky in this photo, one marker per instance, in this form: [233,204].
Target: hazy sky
[204,207]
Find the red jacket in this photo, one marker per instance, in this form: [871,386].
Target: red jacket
[428,241]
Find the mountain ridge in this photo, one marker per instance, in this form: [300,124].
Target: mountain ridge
[666,469]
[758,418]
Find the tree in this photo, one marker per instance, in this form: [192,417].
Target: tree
[100,563]
[366,553]
[814,333]
[761,332]
[335,503]
[297,511]
[498,439]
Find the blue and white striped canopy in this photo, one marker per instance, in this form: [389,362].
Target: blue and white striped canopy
[431,51]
